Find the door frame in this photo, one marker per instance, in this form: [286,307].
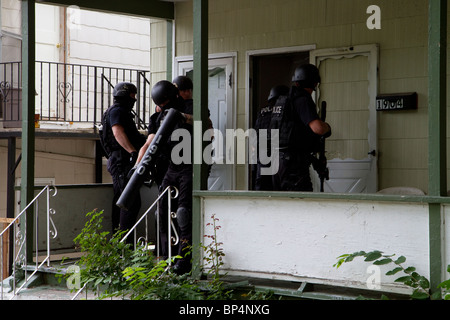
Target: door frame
[248,83]
[371,51]
[218,59]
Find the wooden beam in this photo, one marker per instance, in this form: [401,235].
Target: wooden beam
[7,221]
[147,8]
[437,151]
[28,134]
[170,49]
[200,98]
[437,102]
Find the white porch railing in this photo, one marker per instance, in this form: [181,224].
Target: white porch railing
[19,226]
[171,215]
[172,193]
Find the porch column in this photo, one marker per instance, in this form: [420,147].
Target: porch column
[437,166]
[28,132]
[169,38]
[200,29]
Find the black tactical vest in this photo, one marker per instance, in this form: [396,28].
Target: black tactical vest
[106,136]
[294,135]
[282,119]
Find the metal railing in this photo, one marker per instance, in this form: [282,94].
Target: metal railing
[172,193]
[71,93]
[20,251]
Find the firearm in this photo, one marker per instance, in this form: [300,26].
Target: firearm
[320,163]
[148,160]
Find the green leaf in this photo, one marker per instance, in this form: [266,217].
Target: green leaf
[445,284]
[372,256]
[424,283]
[394,271]
[404,279]
[400,260]
[382,262]
[410,270]
[418,295]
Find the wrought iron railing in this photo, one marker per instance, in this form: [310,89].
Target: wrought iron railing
[20,252]
[71,93]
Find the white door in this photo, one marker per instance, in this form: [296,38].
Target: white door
[349,86]
[220,104]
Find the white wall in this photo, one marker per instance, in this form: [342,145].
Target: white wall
[11,30]
[104,39]
[300,239]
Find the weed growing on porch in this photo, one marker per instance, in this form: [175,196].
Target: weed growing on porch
[106,257]
[213,251]
[410,278]
[119,271]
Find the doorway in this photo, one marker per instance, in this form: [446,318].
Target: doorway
[349,85]
[221,107]
[269,69]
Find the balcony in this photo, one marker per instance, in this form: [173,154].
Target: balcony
[69,96]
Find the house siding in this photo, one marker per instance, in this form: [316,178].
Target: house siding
[241,26]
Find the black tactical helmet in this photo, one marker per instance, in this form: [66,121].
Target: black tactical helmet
[124,89]
[277,91]
[162,91]
[307,75]
[183,83]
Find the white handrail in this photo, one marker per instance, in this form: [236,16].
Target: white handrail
[171,226]
[167,190]
[21,240]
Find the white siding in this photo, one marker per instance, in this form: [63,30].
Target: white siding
[110,40]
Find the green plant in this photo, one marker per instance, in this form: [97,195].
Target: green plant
[159,283]
[419,284]
[213,251]
[120,271]
[445,286]
[106,257]
[213,256]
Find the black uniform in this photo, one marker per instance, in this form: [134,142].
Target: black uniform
[292,115]
[119,163]
[263,182]
[179,176]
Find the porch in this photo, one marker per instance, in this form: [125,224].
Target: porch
[347,222]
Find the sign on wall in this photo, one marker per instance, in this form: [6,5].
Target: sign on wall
[397,101]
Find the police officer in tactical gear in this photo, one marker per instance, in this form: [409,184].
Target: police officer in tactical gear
[299,125]
[166,95]
[185,87]
[122,140]
[264,182]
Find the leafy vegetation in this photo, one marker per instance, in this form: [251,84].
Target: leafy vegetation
[116,270]
[410,278]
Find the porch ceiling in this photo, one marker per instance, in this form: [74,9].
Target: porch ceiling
[148,8]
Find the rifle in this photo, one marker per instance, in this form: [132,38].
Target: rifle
[320,163]
[148,160]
